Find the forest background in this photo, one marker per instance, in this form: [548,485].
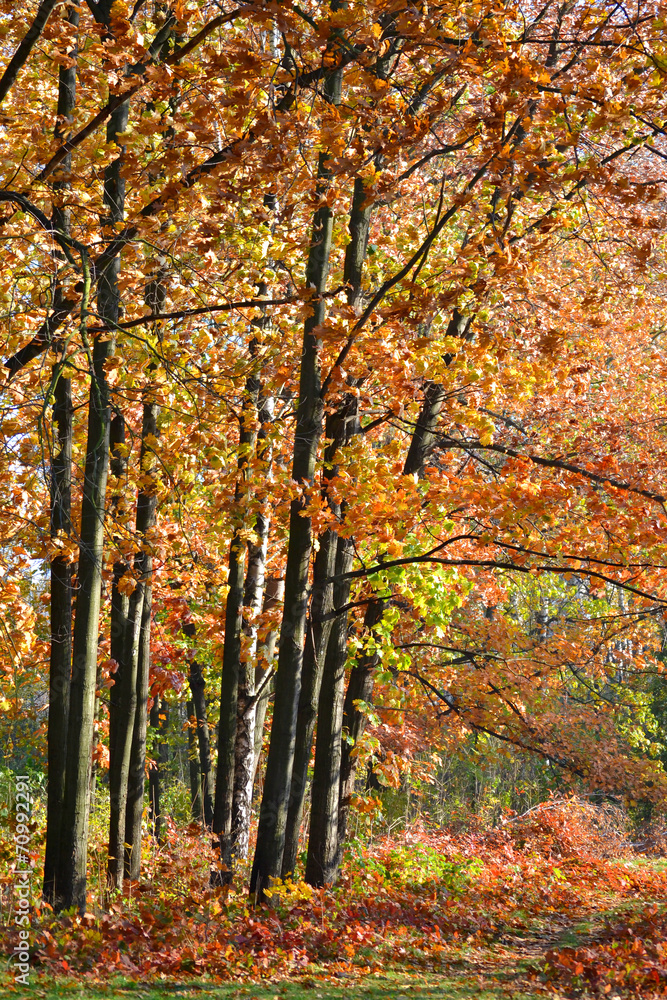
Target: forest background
[332,495]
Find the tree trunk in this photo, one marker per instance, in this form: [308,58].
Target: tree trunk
[198,692]
[154,772]
[224,780]
[143,567]
[124,702]
[61,635]
[359,688]
[274,594]
[268,859]
[60,662]
[244,754]
[76,802]
[193,762]
[251,671]
[322,858]
[120,771]
[120,602]
[317,638]
[154,297]
[231,657]
[74,843]
[355,252]
[159,722]
[338,431]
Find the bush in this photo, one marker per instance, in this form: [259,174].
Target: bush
[574,827]
[412,867]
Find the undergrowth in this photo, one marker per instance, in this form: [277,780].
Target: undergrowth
[416,903]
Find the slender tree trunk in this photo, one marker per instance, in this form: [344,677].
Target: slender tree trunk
[244,754]
[322,858]
[359,688]
[159,720]
[224,781]
[143,568]
[232,652]
[124,701]
[96,730]
[60,663]
[154,772]
[120,601]
[356,250]
[155,296]
[74,843]
[274,594]
[137,773]
[61,636]
[119,772]
[317,638]
[136,778]
[198,692]
[339,429]
[268,859]
[251,672]
[193,762]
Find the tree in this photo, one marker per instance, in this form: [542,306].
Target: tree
[439,210]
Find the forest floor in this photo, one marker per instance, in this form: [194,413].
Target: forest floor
[518,913]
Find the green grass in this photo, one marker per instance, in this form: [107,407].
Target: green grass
[388,986]
[659,864]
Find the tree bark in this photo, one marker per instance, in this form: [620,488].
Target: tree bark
[251,672]
[74,842]
[61,634]
[356,250]
[120,602]
[322,858]
[317,638]
[193,762]
[198,693]
[359,688]
[143,568]
[321,862]
[119,769]
[274,594]
[159,720]
[231,657]
[268,859]
[60,657]
[340,427]
[76,801]
[124,703]
[244,753]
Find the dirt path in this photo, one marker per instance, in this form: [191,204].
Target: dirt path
[513,965]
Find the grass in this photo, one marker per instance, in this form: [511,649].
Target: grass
[385,986]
